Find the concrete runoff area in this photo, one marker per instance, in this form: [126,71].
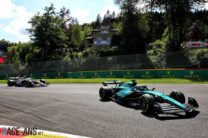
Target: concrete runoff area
[76,109]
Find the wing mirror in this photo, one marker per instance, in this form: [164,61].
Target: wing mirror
[153,89]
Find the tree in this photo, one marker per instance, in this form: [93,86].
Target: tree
[157,25]
[97,22]
[77,35]
[4,45]
[176,15]
[109,17]
[47,31]
[18,53]
[132,38]
[68,23]
[67,19]
[197,31]
[113,15]
[106,17]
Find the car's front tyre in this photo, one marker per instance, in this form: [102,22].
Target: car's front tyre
[146,103]
[10,83]
[178,96]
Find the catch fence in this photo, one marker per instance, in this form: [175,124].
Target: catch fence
[111,64]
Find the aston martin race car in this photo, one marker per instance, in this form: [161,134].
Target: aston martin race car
[148,100]
[26,82]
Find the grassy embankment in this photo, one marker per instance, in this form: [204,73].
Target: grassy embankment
[140,81]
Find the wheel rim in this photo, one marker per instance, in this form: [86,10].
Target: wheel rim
[144,104]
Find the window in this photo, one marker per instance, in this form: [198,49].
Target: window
[98,41]
[105,42]
[104,31]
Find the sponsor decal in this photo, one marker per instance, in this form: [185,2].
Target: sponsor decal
[147,75]
[168,75]
[17,131]
[2,60]
[28,132]
[192,75]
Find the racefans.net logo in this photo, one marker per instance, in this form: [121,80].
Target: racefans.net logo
[17,131]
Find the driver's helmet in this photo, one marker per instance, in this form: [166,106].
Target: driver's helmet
[42,80]
[134,83]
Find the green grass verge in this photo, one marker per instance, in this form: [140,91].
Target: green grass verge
[144,81]
[140,81]
[3,81]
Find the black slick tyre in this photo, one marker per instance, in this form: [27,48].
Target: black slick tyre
[178,96]
[146,103]
[10,83]
[105,93]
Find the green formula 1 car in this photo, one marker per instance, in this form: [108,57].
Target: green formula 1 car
[148,100]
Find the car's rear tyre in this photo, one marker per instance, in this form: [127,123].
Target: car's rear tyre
[10,83]
[146,103]
[105,93]
[178,96]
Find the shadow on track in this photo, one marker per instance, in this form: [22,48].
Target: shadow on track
[161,117]
[164,117]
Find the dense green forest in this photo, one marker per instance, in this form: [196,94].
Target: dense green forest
[164,26]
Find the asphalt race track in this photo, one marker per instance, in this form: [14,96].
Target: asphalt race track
[76,109]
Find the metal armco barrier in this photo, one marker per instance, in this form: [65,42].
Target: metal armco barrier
[145,74]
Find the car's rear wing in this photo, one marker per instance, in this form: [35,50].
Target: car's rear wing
[14,78]
[18,77]
[116,82]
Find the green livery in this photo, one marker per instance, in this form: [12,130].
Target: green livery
[148,100]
